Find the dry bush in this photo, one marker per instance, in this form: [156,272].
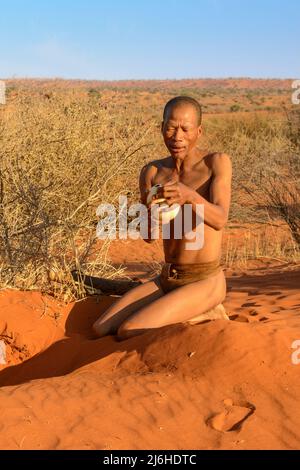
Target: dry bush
[254,143]
[293,126]
[279,194]
[265,153]
[259,242]
[61,156]
[64,151]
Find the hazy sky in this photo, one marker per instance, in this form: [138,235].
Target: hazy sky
[120,39]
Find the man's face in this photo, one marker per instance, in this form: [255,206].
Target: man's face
[180,130]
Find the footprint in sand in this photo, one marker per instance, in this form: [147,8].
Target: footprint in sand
[232,418]
[239,318]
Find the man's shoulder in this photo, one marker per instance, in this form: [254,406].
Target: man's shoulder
[218,160]
[156,165]
[218,157]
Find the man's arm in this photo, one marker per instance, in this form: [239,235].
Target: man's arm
[216,211]
[147,175]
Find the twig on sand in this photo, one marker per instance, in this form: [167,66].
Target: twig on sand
[22,442]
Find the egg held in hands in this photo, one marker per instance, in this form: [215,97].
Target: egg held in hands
[163,212]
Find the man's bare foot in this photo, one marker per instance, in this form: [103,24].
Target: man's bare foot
[216,313]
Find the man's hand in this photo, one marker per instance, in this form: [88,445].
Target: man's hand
[175,193]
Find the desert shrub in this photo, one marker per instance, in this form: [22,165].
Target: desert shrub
[258,145]
[59,159]
[94,93]
[63,153]
[293,126]
[234,108]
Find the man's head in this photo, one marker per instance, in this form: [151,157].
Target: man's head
[181,126]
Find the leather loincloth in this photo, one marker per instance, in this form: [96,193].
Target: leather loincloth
[177,275]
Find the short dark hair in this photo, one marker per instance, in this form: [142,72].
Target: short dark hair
[183,100]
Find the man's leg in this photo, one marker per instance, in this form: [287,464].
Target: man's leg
[179,306]
[129,303]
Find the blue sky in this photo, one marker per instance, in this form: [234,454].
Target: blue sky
[131,39]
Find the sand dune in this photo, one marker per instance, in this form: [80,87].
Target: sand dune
[219,385]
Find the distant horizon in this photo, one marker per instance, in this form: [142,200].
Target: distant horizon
[146,79]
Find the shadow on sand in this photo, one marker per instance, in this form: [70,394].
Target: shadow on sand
[79,347]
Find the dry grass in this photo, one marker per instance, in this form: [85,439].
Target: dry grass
[65,151]
[271,242]
[59,160]
[265,153]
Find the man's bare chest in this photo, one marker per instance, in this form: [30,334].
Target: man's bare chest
[197,180]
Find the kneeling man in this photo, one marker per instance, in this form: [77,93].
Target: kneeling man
[191,286]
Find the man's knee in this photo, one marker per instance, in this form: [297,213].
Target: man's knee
[124,330]
[100,328]
[128,329]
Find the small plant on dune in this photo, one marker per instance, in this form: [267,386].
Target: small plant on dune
[235,108]
[94,93]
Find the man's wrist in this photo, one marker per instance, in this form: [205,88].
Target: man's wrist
[192,197]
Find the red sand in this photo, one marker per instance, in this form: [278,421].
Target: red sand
[219,385]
